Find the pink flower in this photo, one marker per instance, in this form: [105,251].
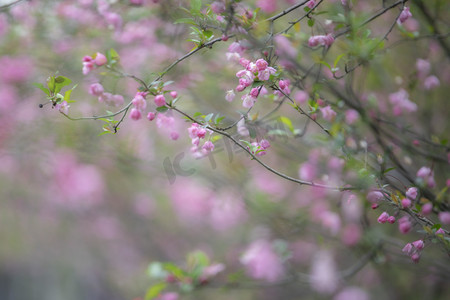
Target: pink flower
[240,88]
[114,20]
[324,275]
[285,47]
[401,103]
[135,114]
[264,144]
[440,231]
[151,116]
[423,67]
[375,196]
[100,59]
[173,94]
[383,218]
[218,7]
[404,225]
[415,257]
[261,64]
[307,172]
[411,193]
[351,235]
[351,116]
[168,296]
[208,147]
[96,89]
[63,107]
[322,40]
[311,4]
[406,203]
[301,97]
[408,249]
[160,100]
[328,113]
[404,15]
[230,95]
[431,82]
[248,101]
[391,220]
[139,102]
[418,244]
[444,217]
[427,208]
[87,67]
[261,262]
[267,6]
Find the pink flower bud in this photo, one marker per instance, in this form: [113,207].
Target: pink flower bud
[87,58]
[311,4]
[415,257]
[261,64]
[139,102]
[100,59]
[160,100]
[406,203]
[383,217]
[240,88]
[96,89]
[411,193]
[440,231]
[264,144]
[427,208]
[230,95]
[174,135]
[173,94]
[444,217]
[151,116]
[224,38]
[404,225]
[282,84]
[374,206]
[418,244]
[301,97]
[208,146]
[254,92]
[135,114]
[391,220]
[408,249]
[404,15]
[431,82]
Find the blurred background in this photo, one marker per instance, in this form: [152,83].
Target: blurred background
[82,215]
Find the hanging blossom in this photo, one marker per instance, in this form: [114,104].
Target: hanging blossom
[139,105]
[404,15]
[414,250]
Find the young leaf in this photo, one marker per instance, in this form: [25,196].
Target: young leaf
[196,5]
[42,88]
[162,109]
[155,290]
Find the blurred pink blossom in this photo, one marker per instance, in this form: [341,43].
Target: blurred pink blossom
[324,275]
[261,262]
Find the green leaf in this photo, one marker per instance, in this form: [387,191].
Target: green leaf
[198,258]
[197,114]
[155,290]
[311,22]
[185,21]
[246,143]
[162,109]
[196,5]
[286,121]
[42,88]
[51,83]
[208,117]
[67,95]
[208,34]
[61,82]
[336,61]
[112,56]
[174,270]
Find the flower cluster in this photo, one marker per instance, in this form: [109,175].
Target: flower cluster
[426,175]
[384,217]
[401,102]
[429,82]
[90,62]
[139,105]
[254,71]
[414,250]
[196,133]
[96,89]
[259,148]
[321,40]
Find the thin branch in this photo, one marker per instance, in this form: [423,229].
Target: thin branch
[286,11]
